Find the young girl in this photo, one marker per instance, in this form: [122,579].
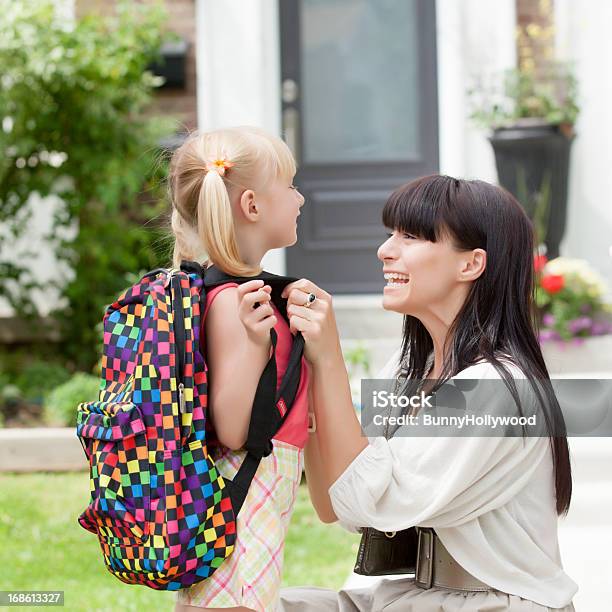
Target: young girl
[233,200]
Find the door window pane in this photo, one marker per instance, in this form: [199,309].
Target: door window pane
[359,80]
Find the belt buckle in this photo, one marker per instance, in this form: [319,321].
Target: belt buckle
[424,561]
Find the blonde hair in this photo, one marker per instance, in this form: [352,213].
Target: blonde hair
[202,220]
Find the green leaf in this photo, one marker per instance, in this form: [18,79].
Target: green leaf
[78,101]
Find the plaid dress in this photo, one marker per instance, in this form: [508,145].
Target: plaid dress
[251,576]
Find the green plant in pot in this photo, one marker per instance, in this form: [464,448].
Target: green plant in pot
[524,97]
[530,115]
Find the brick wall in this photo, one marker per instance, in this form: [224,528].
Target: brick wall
[535,34]
[180,103]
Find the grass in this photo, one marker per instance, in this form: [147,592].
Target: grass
[42,547]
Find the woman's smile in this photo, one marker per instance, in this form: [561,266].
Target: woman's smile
[396,280]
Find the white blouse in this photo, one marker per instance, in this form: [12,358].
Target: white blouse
[491,501]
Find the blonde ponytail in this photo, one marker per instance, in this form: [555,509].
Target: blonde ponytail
[202,220]
[187,244]
[216,226]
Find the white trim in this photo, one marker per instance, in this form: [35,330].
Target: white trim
[238,72]
[203,78]
[472,38]
[563,22]
[582,37]
[451,80]
[271,112]
[238,64]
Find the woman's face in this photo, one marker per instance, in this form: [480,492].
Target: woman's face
[422,277]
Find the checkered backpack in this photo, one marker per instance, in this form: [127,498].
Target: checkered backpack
[163,514]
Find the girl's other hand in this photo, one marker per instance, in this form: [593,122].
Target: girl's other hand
[255,311]
[317,322]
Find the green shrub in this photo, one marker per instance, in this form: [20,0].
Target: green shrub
[39,378]
[5,381]
[10,399]
[76,123]
[62,402]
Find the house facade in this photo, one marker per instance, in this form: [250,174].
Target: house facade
[370,94]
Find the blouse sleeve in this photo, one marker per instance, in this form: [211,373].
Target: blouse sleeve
[433,481]
[389,370]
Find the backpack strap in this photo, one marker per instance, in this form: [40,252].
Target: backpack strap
[267,415]
[215,277]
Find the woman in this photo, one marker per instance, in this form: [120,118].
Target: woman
[459,266]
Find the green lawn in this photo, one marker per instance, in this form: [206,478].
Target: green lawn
[43,547]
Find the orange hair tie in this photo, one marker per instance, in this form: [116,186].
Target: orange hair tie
[219,165]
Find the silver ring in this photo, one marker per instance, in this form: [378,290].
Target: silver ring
[310,300]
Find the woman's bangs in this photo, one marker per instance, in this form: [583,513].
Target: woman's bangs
[408,211]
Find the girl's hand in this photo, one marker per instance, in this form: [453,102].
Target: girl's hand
[255,311]
[317,323]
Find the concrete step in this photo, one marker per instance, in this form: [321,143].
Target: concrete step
[362,321]
[364,324]
[594,355]
[363,317]
[48,449]
[378,351]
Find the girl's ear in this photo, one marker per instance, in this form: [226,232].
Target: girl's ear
[248,206]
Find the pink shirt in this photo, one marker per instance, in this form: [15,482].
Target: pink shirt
[295,429]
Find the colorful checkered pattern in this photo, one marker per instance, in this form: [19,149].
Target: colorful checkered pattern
[251,577]
[159,506]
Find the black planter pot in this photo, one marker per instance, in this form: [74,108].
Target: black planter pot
[526,157]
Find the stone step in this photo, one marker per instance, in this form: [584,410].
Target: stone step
[593,356]
[363,322]
[363,317]
[48,449]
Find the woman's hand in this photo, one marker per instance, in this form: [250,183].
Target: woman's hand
[338,436]
[257,320]
[317,322]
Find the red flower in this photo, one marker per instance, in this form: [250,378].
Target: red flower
[539,261]
[553,283]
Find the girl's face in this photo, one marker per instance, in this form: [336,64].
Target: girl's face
[422,277]
[280,207]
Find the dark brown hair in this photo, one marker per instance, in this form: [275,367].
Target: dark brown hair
[498,317]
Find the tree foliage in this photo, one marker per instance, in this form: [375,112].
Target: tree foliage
[74,122]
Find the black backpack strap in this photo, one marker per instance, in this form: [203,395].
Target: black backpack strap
[266,419]
[270,408]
